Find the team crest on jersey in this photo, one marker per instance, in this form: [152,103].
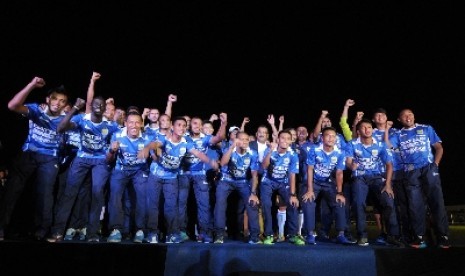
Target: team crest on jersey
[419,131]
[198,143]
[374,152]
[104,131]
[182,151]
[247,161]
[333,159]
[286,161]
[140,146]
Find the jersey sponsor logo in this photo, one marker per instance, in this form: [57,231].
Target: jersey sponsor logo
[334,159]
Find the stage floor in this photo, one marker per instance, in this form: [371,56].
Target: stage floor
[19,257]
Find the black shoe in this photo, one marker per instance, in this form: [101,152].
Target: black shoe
[443,242]
[395,241]
[419,242]
[2,234]
[40,235]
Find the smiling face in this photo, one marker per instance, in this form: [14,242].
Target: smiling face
[56,103]
[407,118]
[134,125]
[284,140]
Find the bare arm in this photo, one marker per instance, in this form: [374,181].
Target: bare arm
[66,123]
[317,130]
[169,104]
[357,119]
[245,121]
[221,133]
[227,154]
[91,91]
[281,123]
[16,104]
[274,133]
[266,159]
[438,152]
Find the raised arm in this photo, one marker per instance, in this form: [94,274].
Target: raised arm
[221,133]
[281,123]
[227,154]
[317,130]
[245,121]
[274,133]
[16,104]
[357,119]
[169,104]
[346,131]
[91,91]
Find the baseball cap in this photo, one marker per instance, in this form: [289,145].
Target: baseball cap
[233,128]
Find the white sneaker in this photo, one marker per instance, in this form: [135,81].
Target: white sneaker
[70,233]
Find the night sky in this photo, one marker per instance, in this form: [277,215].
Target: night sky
[246,59]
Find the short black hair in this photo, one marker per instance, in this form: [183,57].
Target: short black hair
[132,108]
[328,128]
[59,89]
[364,120]
[379,110]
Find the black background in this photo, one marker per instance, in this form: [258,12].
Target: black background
[246,59]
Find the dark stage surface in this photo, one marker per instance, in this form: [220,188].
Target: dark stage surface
[20,257]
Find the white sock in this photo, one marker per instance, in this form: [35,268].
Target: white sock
[281,215]
[300,222]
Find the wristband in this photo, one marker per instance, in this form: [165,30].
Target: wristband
[340,193]
[77,108]
[293,194]
[253,193]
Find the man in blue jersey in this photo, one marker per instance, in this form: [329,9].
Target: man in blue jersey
[40,154]
[168,153]
[423,183]
[365,156]
[193,174]
[325,168]
[239,166]
[281,164]
[96,132]
[128,170]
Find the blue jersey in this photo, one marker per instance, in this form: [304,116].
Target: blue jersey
[325,163]
[281,165]
[168,164]
[95,137]
[397,162]
[415,144]
[302,151]
[126,157]
[378,134]
[214,153]
[239,164]
[73,138]
[192,163]
[152,133]
[43,137]
[369,158]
